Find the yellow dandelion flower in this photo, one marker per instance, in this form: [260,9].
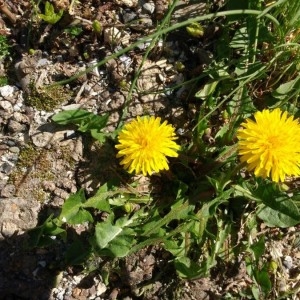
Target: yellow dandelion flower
[270,145]
[144,144]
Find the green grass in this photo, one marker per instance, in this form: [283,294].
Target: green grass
[255,65]
[4,47]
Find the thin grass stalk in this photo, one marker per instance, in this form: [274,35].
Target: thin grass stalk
[165,31]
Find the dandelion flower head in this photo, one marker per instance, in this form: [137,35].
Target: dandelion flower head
[145,143]
[270,144]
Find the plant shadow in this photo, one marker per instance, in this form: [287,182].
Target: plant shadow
[25,273]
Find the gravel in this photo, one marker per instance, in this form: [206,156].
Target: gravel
[42,164]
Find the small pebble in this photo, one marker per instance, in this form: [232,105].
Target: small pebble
[180,131]
[288,262]
[7,106]
[144,45]
[92,293]
[18,107]
[49,186]
[7,91]
[126,60]
[101,288]
[128,3]
[21,118]
[8,228]
[3,147]
[42,62]
[95,70]
[15,127]
[42,263]
[128,16]
[6,168]
[149,7]
[60,295]
[112,35]
[145,21]
[14,150]
[13,158]
[71,106]
[11,143]
[70,134]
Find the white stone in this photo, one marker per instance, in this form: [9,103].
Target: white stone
[71,106]
[8,228]
[112,35]
[95,70]
[101,288]
[7,91]
[7,106]
[18,106]
[128,3]
[149,7]
[42,62]
[126,60]
[41,139]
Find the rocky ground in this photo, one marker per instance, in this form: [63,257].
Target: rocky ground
[43,163]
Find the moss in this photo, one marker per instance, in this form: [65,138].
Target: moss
[33,167]
[48,97]
[4,47]
[3,80]
[34,159]
[40,195]
[27,156]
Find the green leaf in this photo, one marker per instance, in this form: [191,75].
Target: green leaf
[208,210]
[255,292]
[245,70]
[99,136]
[77,253]
[263,279]
[100,199]
[74,30]
[52,227]
[41,235]
[187,269]
[277,208]
[86,121]
[80,217]
[74,116]
[286,88]
[178,212]
[240,39]
[275,218]
[72,210]
[97,27]
[116,240]
[175,247]
[258,248]
[195,29]
[207,90]
[222,131]
[105,233]
[122,245]
[93,122]
[50,16]
[244,191]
